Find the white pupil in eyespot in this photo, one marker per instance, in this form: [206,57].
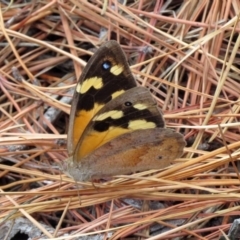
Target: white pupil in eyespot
[106,65]
[128,104]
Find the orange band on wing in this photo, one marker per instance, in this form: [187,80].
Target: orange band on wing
[97,139]
[81,121]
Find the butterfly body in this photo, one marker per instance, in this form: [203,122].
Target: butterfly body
[115,126]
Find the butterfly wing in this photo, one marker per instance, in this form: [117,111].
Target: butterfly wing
[106,76]
[139,150]
[133,110]
[116,127]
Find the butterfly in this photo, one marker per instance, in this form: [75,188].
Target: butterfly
[115,126]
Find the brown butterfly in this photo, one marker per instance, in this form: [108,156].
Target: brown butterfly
[115,126]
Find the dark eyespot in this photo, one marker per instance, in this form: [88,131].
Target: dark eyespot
[128,104]
[159,157]
[106,65]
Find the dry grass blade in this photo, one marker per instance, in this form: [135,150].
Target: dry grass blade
[185,52]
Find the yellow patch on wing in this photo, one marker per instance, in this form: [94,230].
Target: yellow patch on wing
[114,114]
[141,124]
[118,93]
[95,82]
[78,88]
[140,106]
[81,121]
[116,69]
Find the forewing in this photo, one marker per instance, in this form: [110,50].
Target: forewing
[106,76]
